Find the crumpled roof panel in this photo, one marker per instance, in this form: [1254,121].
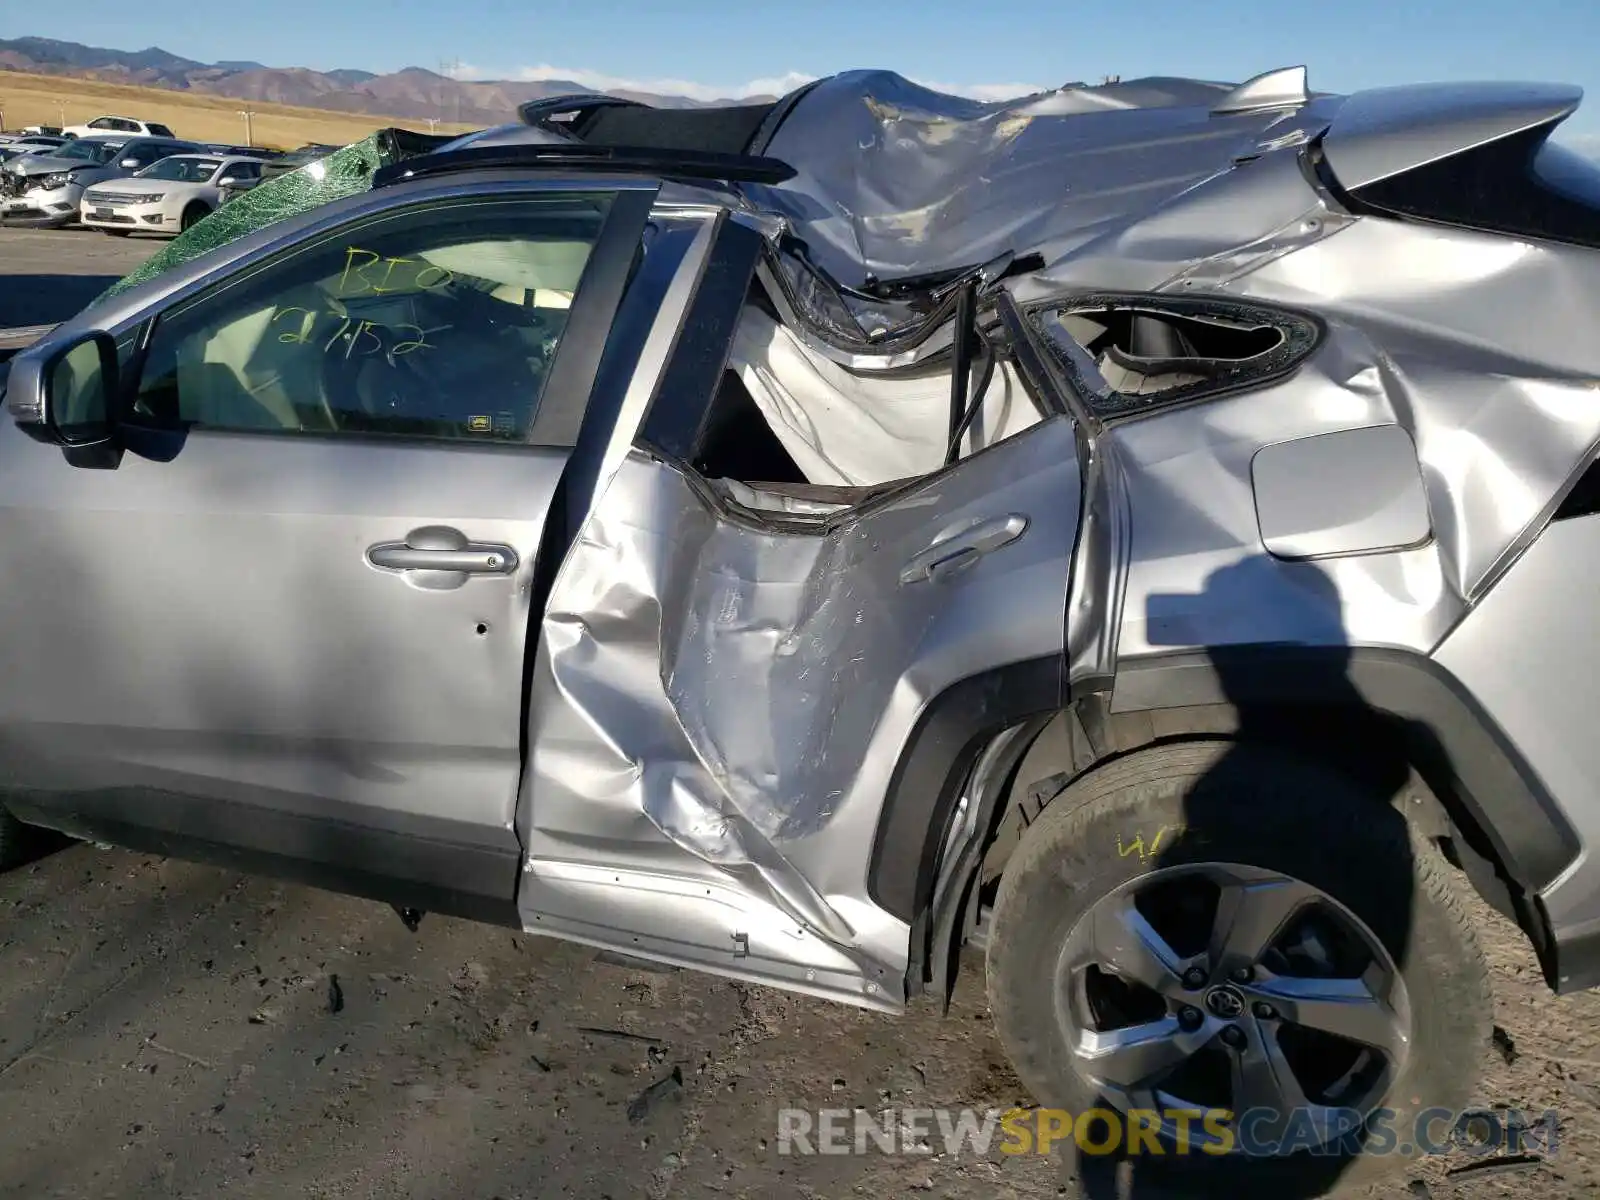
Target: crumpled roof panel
[896,179]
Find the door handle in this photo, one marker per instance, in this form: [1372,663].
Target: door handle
[441,557]
[476,560]
[958,551]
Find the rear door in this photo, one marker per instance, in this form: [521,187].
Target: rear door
[292,623]
[724,696]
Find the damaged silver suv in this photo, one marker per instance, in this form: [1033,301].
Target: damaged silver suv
[1142,538]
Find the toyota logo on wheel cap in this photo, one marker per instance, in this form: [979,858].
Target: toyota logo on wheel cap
[1225,1002]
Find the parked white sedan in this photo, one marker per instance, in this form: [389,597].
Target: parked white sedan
[167,196]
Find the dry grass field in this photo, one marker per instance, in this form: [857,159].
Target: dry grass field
[59,100]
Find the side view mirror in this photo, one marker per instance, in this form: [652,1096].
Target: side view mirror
[131,164]
[227,181]
[66,397]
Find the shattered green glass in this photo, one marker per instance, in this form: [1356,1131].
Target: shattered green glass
[321,181]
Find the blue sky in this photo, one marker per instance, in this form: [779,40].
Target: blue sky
[729,46]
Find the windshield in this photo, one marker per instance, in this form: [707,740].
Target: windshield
[88,151]
[181,169]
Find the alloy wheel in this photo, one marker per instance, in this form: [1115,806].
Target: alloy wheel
[1223,986]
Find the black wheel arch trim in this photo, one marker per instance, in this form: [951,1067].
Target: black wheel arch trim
[944,744]
[1464,750]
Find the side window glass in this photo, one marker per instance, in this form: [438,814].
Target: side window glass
[440,321]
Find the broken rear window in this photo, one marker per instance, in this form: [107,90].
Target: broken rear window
[1130,354]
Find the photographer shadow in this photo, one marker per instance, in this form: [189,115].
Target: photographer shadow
[1283,668]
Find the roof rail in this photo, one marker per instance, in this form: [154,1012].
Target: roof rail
[681,164]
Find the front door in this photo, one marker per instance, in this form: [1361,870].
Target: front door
[291,628]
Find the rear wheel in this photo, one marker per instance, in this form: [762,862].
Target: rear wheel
[1219,929]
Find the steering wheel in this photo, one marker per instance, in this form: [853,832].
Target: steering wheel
[411,371]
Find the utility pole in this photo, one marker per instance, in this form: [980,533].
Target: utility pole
[61,107]
[449,68]
[249,130]
[433,123]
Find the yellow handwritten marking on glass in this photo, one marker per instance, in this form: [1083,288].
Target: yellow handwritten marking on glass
[371,274]
[410,338]
[441,277]
[420,342]
[308,321]
[353,339]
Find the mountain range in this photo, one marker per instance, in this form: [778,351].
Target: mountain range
[413,92]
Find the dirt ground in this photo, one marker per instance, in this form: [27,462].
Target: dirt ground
[176,1030]
[62,100]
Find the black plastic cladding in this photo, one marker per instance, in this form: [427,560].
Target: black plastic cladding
[1457,746]
[927,781]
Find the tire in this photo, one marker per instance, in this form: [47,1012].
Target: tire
[115,232]
[19,843]
[194,213]
[1162,820]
